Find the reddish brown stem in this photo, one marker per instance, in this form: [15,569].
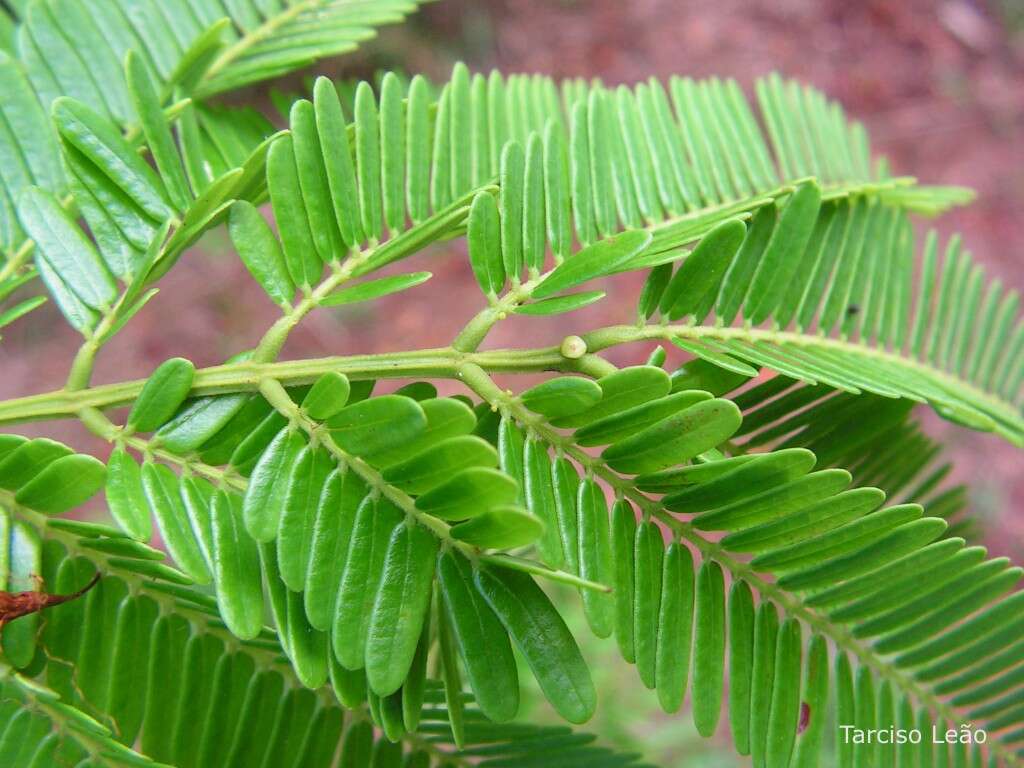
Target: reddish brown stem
[14,605]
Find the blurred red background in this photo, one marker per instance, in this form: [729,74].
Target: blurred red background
[939,84]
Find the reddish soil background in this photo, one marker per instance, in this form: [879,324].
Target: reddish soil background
[939,84]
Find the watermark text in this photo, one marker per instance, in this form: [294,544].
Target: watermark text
[963,734]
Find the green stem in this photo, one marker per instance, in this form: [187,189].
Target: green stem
[442,363]
[81,366]
[476,330]
[437,227]
[273,340]
[245,376]
[17,260]
[85,359]
[594,366]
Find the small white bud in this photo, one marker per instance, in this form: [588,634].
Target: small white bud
[573,347]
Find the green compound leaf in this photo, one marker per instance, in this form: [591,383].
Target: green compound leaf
[236,571]
[481,638]
[695,284]
[648,552]
[708,648]
[164,392]
[675,620]
[602,258]
[484,242]
[776,267]
[560,304]
[437,464]
[595,557]
[160,485]
[469,494]
[542,638]
[100,141]
[157,130]
[375,425]
[260,251]
[400,607]
[620,391]
[265,495]
[304,485]
[65,253]
[675,439]
[563,396]
[63,484]
[328,395]
[374,289]
[125,497]
[500,528]
[198,421]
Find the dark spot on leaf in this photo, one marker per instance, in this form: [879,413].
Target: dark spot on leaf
[852,310]
[805,717]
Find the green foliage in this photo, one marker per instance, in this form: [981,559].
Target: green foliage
[351,577]
[150,657]
[145,63]
[857,280]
